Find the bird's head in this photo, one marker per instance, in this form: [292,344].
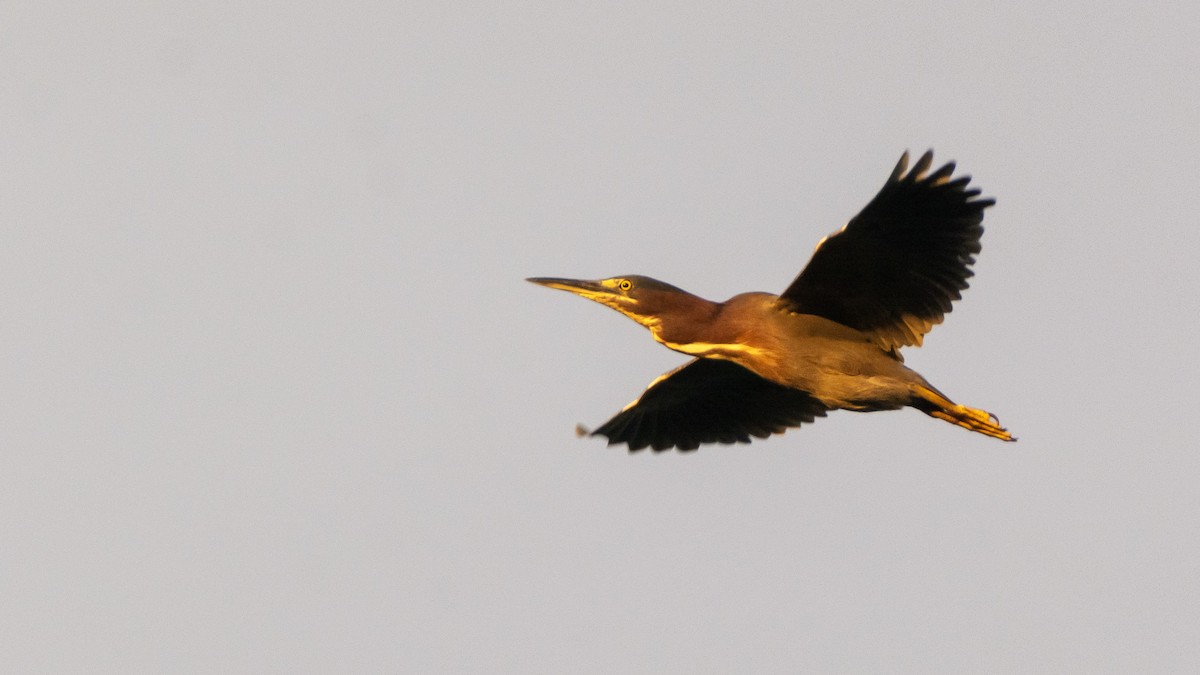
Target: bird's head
[645,300]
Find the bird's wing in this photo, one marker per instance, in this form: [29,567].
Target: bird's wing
[709,401]
[894,269]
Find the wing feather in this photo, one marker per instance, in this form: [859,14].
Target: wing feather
[708,401]
[895,269]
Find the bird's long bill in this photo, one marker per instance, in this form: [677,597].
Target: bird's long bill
[588,289]
[605,291]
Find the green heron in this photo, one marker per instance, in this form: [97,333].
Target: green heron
[831,341]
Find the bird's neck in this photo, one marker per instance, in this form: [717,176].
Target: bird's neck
[738,330]
[693,322]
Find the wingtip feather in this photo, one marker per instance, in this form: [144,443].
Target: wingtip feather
[901,167]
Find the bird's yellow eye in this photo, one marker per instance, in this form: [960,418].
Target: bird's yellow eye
[625,284]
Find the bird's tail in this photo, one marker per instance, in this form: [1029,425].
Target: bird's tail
[935,404]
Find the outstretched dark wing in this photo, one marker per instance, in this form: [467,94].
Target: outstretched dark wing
[894,269]
[708,401]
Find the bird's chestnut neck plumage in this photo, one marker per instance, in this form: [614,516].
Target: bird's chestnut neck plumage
[683,318]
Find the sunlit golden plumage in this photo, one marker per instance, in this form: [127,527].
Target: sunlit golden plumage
[831,340]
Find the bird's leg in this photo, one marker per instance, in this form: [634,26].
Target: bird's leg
[933,403]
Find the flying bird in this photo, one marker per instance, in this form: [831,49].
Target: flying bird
[830,341]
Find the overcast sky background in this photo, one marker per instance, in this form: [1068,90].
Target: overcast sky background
[276,398]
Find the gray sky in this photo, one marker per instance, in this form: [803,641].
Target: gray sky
[276,397]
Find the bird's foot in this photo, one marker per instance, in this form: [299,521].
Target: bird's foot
[974,419]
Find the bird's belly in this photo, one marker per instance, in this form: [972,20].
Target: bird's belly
[846,376]
[862,393]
